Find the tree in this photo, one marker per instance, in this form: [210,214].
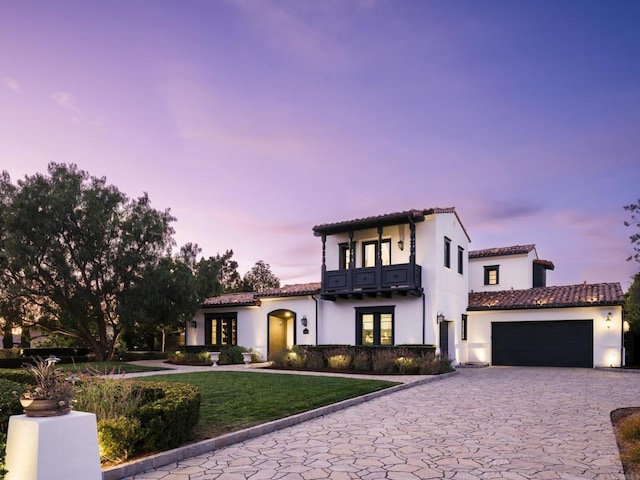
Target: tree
[75,247]
[634,222]
[217,275]
[632,304]
[260,278]
[163,301]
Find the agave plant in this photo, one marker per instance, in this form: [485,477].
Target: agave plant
[50,382]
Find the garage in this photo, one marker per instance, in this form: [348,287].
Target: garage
[563,343]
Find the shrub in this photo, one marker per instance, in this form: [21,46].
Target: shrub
[405,362]
[136,417]
[108,398]
[18,376]
[382,361]
[117,438]
[339,358]
[361,362]
[188,358]
[314,360]
[630,428]
[632,454]
[167,421]
[434,365]
[9,405]
[231,355]
[291,358]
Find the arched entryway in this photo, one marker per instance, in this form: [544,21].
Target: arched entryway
[282,331]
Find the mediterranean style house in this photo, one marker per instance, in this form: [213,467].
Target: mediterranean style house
[409,278]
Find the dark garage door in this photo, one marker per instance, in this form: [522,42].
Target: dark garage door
[544,344]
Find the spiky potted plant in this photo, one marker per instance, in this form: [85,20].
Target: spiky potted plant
[51,394]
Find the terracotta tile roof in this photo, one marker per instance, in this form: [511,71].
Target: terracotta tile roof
[501,251]
[583,295]
[237,299]
[396,218]
[245,299]
[300,289]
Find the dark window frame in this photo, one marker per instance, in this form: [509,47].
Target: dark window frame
[376,311]
[461,260]
[447,252]
[487,274]
[342,261]
[222,324]
[375,251]
[464,326]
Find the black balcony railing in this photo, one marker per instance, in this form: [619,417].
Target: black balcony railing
[384,280]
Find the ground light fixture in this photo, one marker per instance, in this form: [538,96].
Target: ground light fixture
[607,321]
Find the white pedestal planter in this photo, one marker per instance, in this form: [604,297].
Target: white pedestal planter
[53,448]
[215,356]
[246,356]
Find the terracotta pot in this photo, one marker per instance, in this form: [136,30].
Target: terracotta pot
[43,408]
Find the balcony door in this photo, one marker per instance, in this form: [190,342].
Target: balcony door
[370,252]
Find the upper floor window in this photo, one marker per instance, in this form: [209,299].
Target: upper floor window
[492,275]
[370,251]
[460,260]
[345,256]
[447,252]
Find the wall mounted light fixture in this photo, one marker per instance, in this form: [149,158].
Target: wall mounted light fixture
[401,244]
[608,320]
[304,320]
[440,317]
[194,324]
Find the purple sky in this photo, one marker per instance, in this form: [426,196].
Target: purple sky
[255,120]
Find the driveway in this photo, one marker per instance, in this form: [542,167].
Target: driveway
[486,423]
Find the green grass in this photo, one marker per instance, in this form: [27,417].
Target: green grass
[108,367]
[232,401]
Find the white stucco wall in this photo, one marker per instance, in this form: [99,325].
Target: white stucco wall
[606,341]
[516,272]
[445,290]
[253,323]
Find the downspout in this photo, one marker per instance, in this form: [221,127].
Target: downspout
[424,318]
[316,329]
[622,355]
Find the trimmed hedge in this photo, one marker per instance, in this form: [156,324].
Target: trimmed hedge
[163,420]
[397,359]
[10,392]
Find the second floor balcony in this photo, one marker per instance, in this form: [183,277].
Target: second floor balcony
[371,282]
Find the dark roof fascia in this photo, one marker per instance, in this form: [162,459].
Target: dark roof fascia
[398,218]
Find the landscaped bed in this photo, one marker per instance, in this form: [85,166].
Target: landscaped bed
[626,425]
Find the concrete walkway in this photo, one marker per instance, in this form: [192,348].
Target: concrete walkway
[497,422]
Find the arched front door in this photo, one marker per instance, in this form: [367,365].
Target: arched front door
[282,324]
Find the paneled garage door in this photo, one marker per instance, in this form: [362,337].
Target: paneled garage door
[549,343]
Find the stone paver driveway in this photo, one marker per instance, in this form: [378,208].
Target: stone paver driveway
[497,422]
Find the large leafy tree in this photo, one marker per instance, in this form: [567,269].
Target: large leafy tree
[75,247]
[260,278]
[163,301]
[634,222]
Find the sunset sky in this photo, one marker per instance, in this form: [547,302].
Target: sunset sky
[256,120]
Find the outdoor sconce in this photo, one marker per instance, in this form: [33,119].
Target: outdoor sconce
[401,244]
[305,331]
[194,324]
[440,318]
[607,322]
[304,320]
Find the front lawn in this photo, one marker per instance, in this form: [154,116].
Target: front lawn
[107,368]
[232,401]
